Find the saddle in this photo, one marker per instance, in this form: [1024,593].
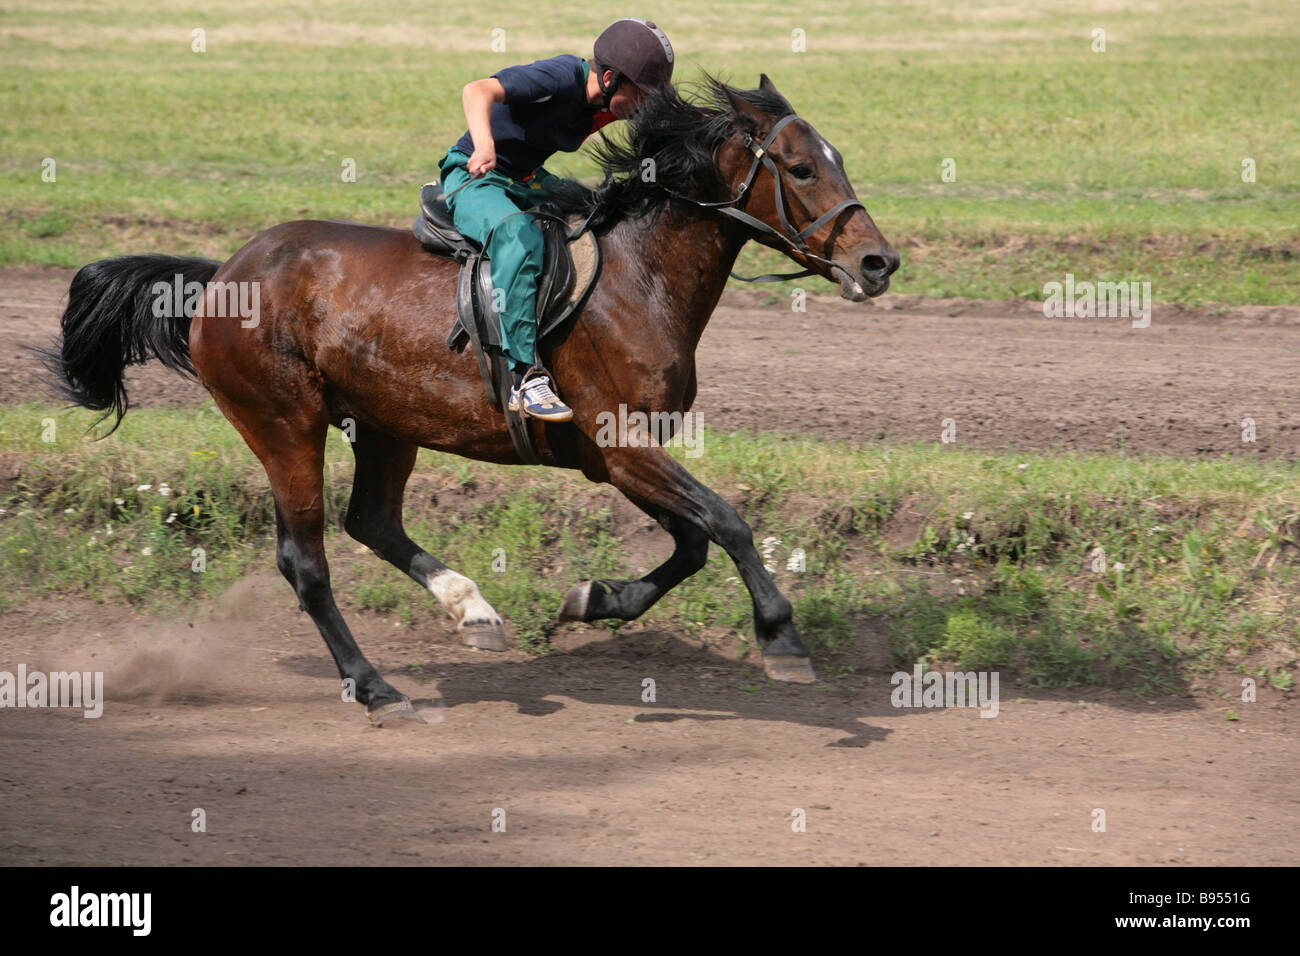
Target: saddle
[571,263]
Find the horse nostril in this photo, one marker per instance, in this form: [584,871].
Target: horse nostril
[880,266]
[873,265]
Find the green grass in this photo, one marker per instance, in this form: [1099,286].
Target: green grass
[989,561]
[1117,165]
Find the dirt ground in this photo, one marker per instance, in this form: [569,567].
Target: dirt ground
[241,716]
[239,712]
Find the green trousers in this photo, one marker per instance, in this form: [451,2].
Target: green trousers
[514,244]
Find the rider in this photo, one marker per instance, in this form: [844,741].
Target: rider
[517,118]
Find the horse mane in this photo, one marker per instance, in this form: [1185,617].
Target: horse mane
[681,136]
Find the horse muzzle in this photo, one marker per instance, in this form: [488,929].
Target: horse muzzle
[869,276]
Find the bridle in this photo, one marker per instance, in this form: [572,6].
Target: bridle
[796,239]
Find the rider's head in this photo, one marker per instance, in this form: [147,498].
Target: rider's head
[631,58]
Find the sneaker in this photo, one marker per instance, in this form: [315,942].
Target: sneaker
[536,400]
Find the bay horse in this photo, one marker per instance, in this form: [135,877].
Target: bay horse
[352,323]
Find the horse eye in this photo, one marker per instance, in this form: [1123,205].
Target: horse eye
[801,172]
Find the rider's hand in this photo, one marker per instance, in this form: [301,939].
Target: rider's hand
[484,158]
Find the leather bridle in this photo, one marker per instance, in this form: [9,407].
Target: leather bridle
[795,239]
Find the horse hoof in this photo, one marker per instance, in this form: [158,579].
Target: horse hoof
[486,637]
[790,670]
[393,711]
[575,602]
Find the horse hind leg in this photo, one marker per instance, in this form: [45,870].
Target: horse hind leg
[290,444]
[374,519]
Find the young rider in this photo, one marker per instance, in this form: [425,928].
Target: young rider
[518,118]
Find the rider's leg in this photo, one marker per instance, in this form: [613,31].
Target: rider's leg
[516,250]
[487,209]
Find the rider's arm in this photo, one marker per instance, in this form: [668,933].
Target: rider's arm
[477,99]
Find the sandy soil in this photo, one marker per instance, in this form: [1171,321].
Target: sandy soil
[241,716]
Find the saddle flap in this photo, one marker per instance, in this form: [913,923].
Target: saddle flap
[485,311]
[582,259]
[469,325]
[557,274]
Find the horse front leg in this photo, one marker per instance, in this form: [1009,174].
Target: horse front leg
[651,475]
[628,600]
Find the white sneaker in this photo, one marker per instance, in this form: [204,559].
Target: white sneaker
[536,400]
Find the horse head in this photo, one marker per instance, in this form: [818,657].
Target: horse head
[805,205]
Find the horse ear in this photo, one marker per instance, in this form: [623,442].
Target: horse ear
[767,86]
[743,109]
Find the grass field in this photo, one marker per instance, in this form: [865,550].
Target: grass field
[987,561]
[1122,164]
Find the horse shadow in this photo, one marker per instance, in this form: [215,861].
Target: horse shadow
[690,682]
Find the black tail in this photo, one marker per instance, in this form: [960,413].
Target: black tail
[118,315]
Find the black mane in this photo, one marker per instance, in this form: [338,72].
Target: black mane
[681,136]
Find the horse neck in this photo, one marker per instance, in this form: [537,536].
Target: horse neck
[682,257]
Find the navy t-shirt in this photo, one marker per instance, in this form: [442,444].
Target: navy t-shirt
[546,110]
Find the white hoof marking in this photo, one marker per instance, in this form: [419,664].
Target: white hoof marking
[461,597]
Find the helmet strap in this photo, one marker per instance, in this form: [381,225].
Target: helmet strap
[607,91]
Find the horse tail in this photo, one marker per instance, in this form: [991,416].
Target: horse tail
[121,312]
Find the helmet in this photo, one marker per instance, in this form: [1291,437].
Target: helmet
[635,49]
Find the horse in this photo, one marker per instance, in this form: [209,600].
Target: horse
[352,320]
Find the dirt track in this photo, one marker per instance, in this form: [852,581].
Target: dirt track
[898,367]
[240,715]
